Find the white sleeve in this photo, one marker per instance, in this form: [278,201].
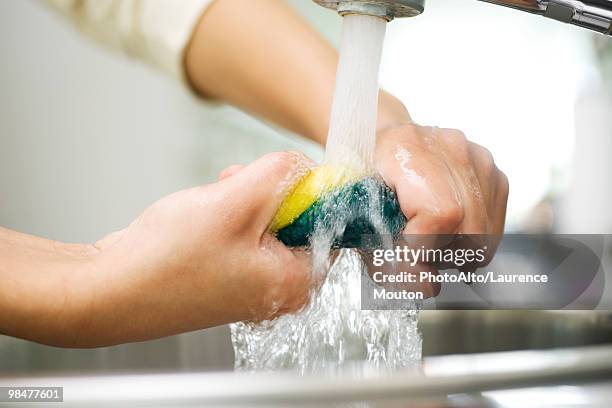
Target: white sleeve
[156,31]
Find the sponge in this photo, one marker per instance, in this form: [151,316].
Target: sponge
[340,202]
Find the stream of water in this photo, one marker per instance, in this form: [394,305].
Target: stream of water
[352,130]
[332,332]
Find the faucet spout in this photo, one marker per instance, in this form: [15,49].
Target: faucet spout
[387,9]
[595,15]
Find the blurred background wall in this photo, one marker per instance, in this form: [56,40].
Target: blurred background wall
[88,138]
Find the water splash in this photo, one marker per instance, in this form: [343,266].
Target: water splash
[332,333]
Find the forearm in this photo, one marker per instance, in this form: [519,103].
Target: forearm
[268,61]
[39,280]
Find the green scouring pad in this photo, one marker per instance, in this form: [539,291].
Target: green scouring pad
[346,207]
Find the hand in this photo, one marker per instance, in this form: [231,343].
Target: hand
[195,259]
[446,185]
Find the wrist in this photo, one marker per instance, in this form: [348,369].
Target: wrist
[71,315]
[63,316]
[391,112]
[48,300]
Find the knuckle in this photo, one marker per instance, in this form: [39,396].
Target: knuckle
[435,290]
[282,163]
[283,158]
[483,160]
[504,184]
[457,143]
[456,137]
[483,154]
[451,215]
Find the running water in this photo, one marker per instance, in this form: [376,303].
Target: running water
[332,332]
[352,129]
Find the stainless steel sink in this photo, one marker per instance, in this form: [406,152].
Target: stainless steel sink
[474,380]
[471,353]
[444,332]
[464,331]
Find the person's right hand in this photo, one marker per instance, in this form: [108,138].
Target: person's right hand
[195,259]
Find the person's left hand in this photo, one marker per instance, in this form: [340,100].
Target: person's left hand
[445,184]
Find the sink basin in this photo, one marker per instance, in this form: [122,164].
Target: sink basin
[465,331]
[473,354]
[444,332]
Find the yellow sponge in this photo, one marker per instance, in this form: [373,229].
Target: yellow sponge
[309,189]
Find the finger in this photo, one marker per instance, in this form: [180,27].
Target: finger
[484,187]
[230,171]
[498,216]
[426,191]
[472,199]
[467,163]
[484,169]
[501,202]
[435,208]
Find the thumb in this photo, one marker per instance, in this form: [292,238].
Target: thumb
[263,184]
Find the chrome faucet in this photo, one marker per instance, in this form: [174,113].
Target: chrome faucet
[595,15]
